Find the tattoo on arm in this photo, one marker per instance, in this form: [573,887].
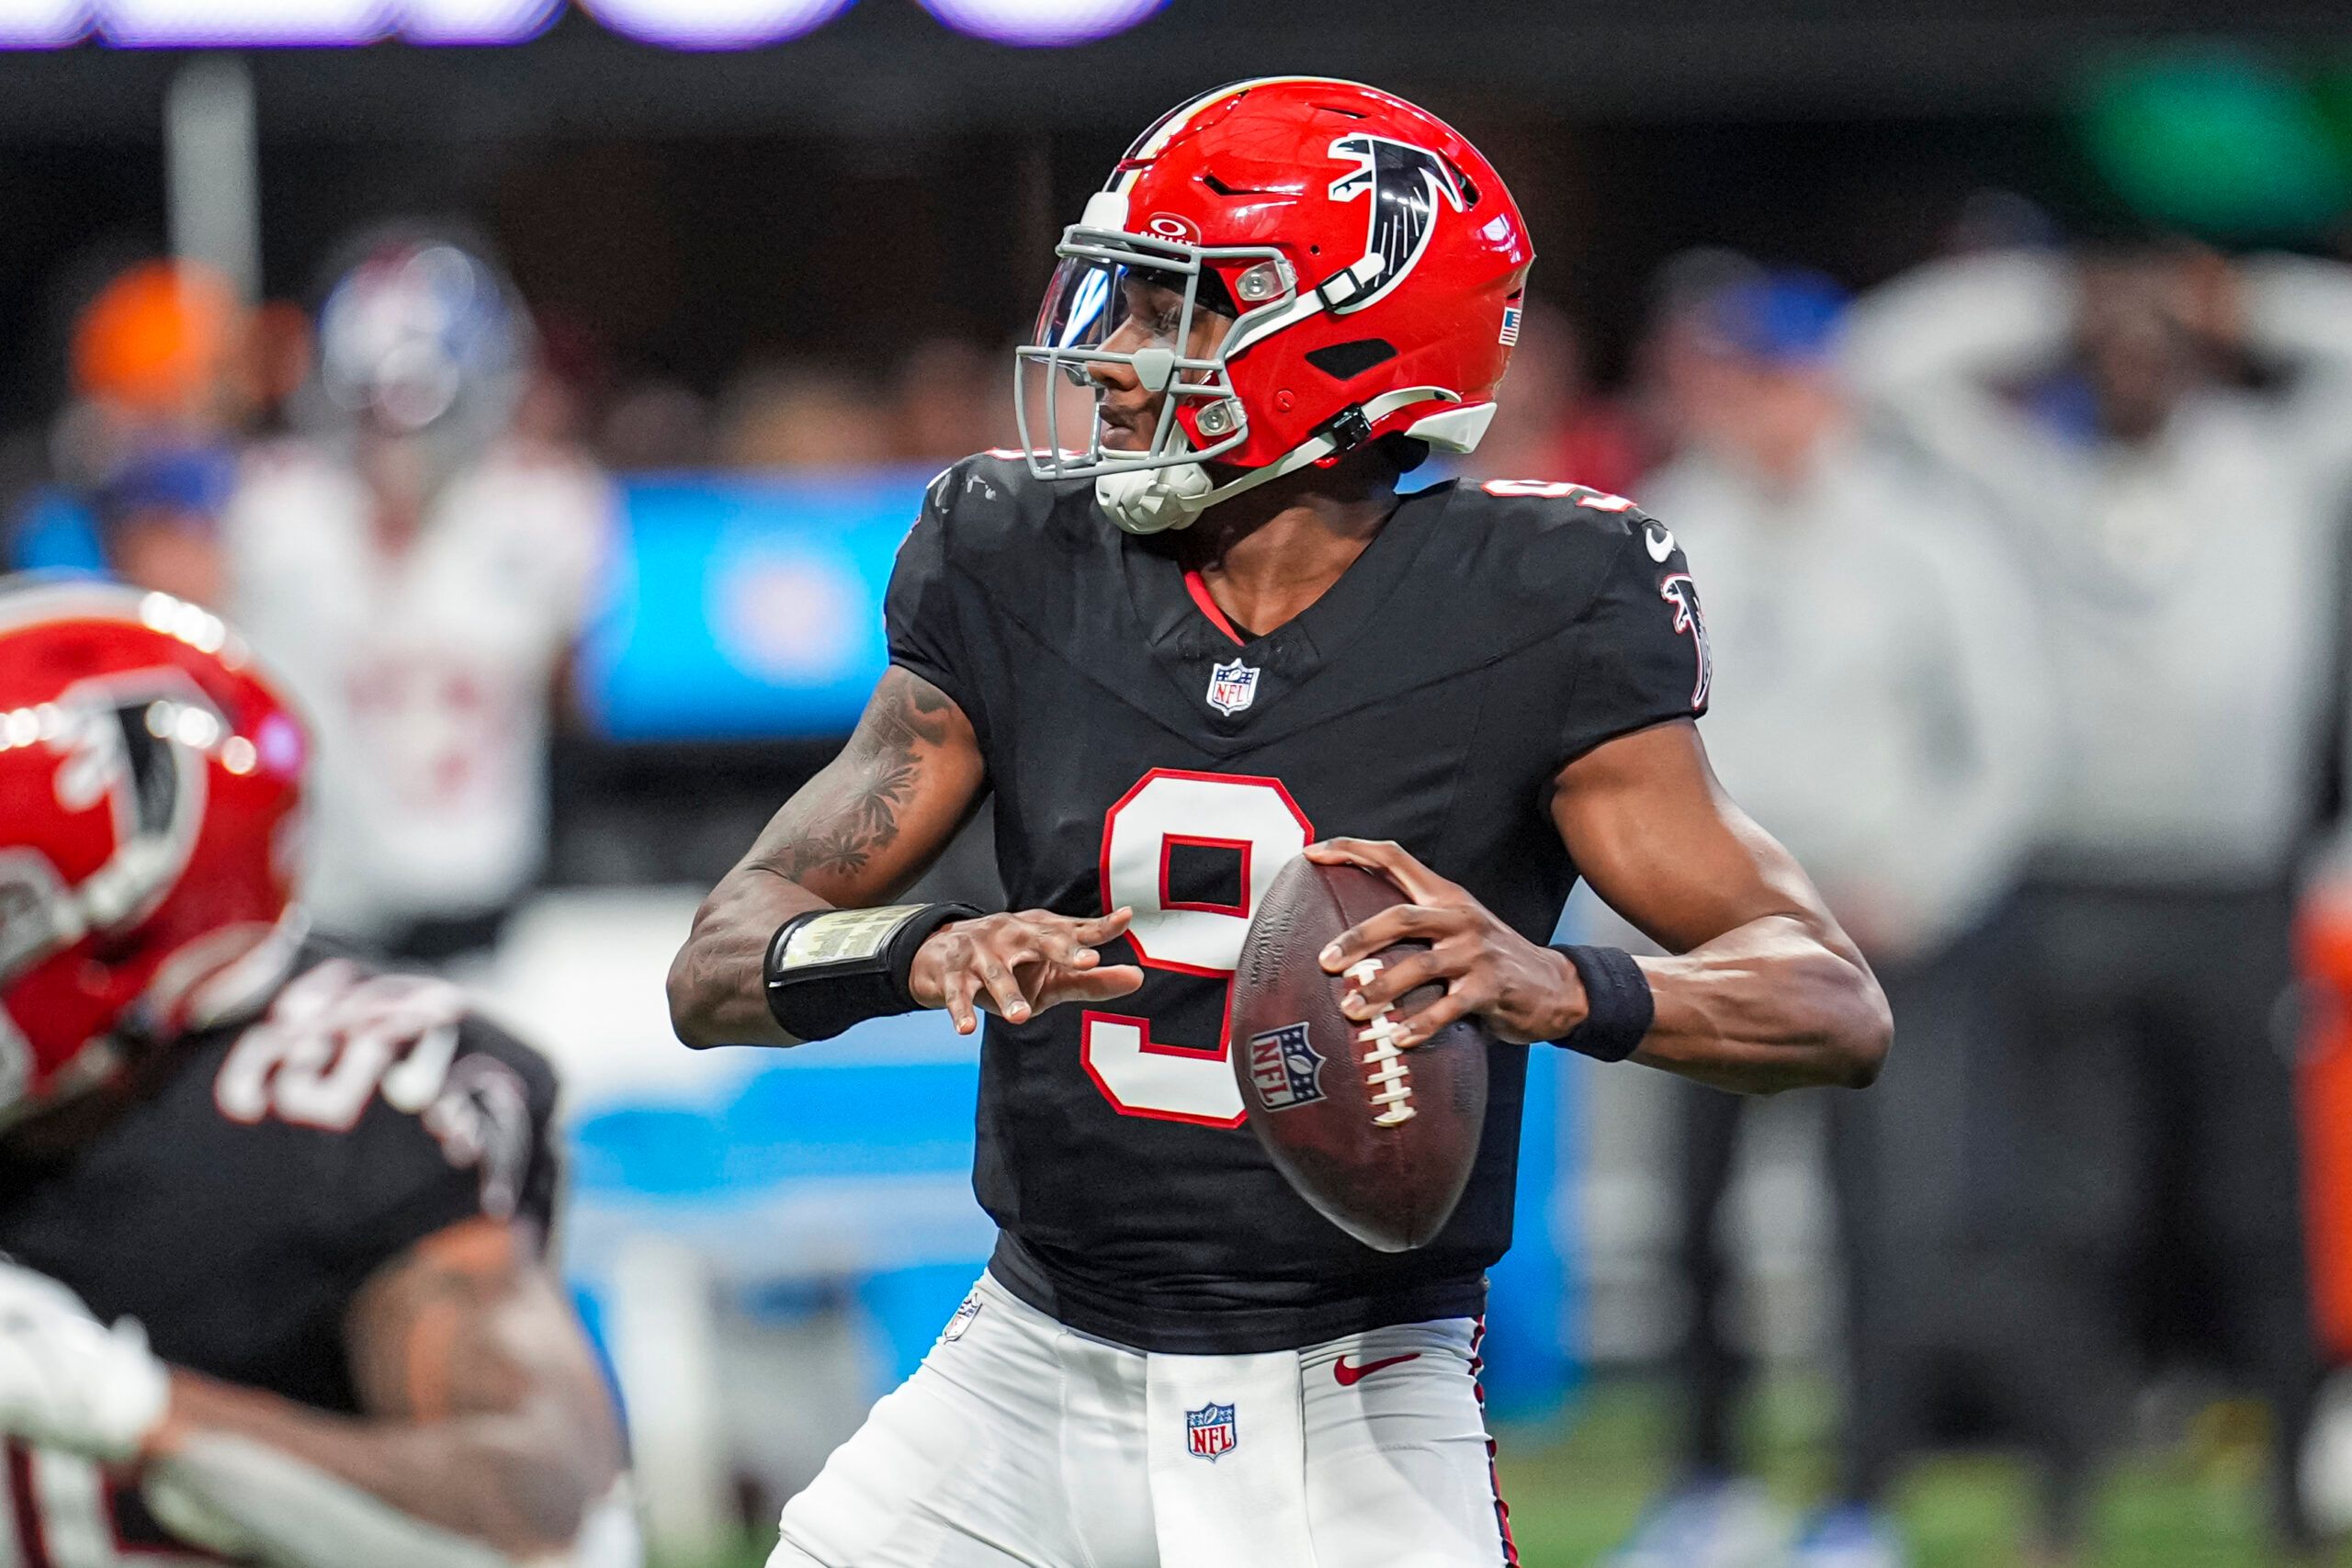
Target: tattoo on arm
[859,812]
[855,835]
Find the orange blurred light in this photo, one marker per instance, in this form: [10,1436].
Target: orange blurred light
[158,340]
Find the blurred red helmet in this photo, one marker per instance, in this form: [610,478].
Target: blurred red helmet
[1373,263]
[149,780]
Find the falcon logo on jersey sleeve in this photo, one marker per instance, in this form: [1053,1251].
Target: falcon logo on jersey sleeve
[1678,590]
[1406,183]
[1210,1432]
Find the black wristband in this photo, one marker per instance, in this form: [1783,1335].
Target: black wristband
[1618,1009]
[828,969]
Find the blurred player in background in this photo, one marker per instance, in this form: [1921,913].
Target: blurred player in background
[2168,435]
[1175,657]
[1866,612]
[420,570]
[311,1199]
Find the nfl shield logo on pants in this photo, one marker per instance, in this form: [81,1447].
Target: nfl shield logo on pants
[1233,687]
[1209,1431]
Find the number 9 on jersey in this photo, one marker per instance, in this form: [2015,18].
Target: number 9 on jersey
[1167,809]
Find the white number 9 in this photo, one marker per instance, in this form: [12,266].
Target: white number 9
[1169,807]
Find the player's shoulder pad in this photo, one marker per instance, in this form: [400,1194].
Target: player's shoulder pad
[989,506]
[394,1086]
[1556,545]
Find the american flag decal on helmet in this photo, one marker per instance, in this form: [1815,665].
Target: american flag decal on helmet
[1510,326]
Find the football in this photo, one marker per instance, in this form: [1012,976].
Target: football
[1379,1141]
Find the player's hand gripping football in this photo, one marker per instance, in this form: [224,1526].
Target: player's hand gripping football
[1525,993]
[69,1382]
[1019,964]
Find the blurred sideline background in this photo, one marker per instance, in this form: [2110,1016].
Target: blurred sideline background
[546,391]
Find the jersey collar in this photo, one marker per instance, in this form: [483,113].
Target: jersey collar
[1186,639]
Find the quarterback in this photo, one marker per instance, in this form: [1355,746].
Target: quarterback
[1211,640]
[271,1281]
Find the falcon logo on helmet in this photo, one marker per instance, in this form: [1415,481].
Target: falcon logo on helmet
[150,776]
[1404,184]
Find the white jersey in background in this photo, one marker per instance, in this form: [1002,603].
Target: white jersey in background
[2189,582]
[428,673]
[1882,694]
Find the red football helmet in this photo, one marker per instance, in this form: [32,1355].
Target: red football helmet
[1371,260]
[149,780]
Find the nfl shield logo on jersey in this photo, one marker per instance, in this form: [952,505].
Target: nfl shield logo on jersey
[1233,687]
[1287,1069]
[1209,1430]
[962,1320]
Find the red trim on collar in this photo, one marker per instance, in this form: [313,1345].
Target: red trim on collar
[1200,592]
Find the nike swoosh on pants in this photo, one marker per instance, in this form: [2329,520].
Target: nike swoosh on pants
[1349,1376]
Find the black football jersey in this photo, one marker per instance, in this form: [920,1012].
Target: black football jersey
[238,1206]
[1142,753]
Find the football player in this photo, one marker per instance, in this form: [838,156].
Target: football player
[272,1286]
[1213,640]
[420,565]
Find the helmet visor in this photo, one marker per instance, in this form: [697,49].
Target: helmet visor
[1086,305]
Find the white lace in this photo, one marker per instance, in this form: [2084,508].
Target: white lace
[1390,1077]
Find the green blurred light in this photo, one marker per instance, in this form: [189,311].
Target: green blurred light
[2219,142]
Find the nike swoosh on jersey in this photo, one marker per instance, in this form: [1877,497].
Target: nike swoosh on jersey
[1660,542]
[1349,1376]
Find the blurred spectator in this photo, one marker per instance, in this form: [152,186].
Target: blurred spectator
[1676,364]
[1877,708]
[953,401]
[656,424]
[2168,434]
[159,520]
[419,569]
[165,370]
[804,416]
[163,347]
[1551,423]
[1995,220]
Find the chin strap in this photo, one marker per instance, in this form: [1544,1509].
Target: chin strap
[1158,501]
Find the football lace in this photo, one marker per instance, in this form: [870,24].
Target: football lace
[1390,1078]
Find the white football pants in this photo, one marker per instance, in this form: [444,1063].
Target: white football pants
[1022,1442]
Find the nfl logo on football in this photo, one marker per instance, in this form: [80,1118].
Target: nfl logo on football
[1209,1431]
[1233,687]
[1287,1070]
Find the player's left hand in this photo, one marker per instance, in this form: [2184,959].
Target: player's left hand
[1524,992]
[69,1382]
